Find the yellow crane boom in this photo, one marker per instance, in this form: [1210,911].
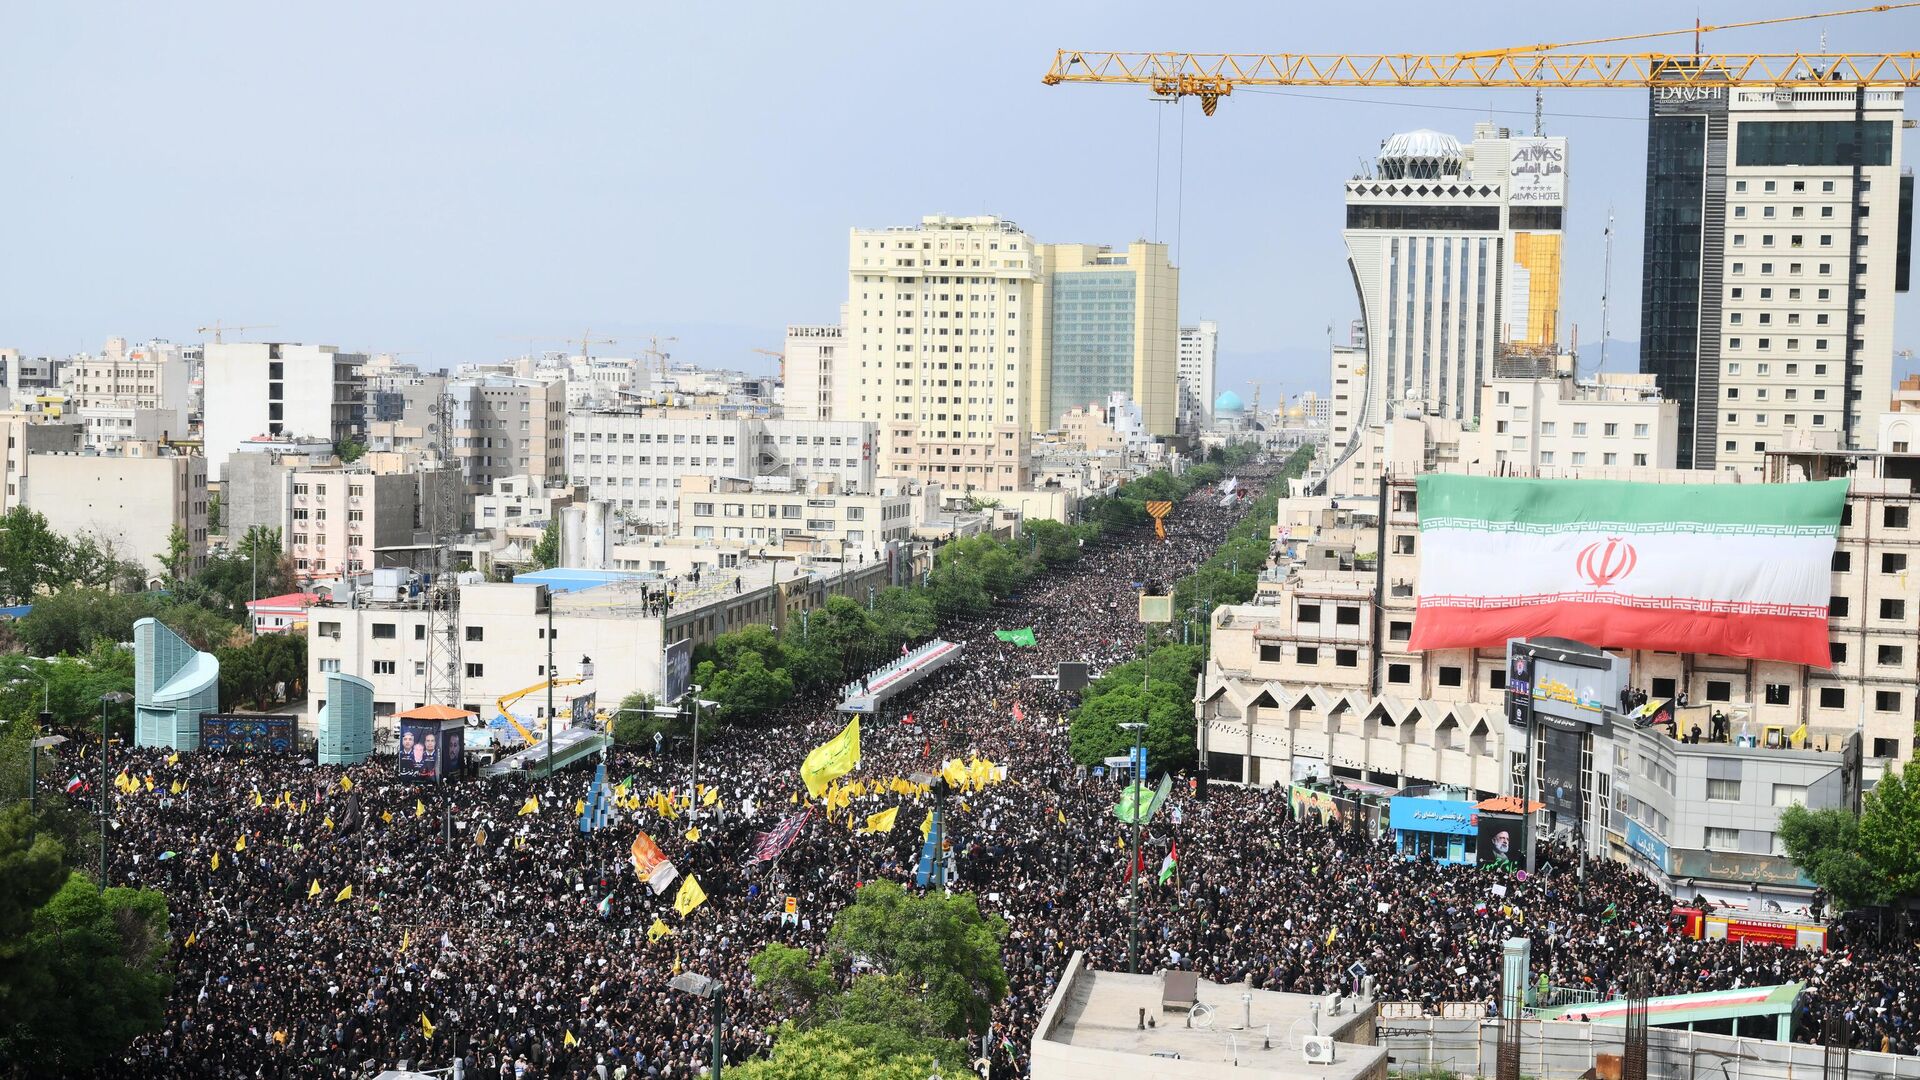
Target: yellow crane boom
[507,701]
[1212,76]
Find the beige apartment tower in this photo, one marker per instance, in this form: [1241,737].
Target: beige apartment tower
[1106,321]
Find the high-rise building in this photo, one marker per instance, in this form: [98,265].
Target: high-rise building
[1105,321]
[142,393]
[936,352]
[1199,357]
[505,426]
[1455,252]
[1777,228]
[809,358]
[276,389]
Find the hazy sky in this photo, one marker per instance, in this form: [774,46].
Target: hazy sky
[455,180]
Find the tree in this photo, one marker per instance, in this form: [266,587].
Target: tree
[1826,845]
[546,553]
[835,1052]
[1118,697]
[1890,831]
[178,558]
[349,450]
[213,513]
[31,555]
[939,942]
[92,979]
[793,978]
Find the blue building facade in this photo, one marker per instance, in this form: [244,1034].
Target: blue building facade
[1092,329]
[174,685]
[1437,826]
[344,724]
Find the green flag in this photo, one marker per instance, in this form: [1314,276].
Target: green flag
[1022,637]
[1137,800]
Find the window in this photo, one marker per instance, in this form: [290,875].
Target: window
[1403,544]
[329,665]
[1579,427]
[383,631]
[1309,613]
[1890,655]
[1893,609]
[1639,431]
[1449,676]
[330,630]
[1718,690]
[1399,673]
[1346,657]
[1836,607]
[1789,795]
[1893,562]
[420,632]
[1778,694]
[1842,561]
[1723,791]
[1306,654]
[1399,630]
[1610,429]
[1269,654]
[1721,839]
[476,633]
[1663,688]
[1833,697]
[476,671]
[1895,517]
[383,667]
[1347,616]
[1886,701]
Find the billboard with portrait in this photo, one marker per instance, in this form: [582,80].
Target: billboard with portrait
[430,749]
[1560,775]
[1502,837]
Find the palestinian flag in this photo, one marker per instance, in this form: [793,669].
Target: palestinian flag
[1726,569]
[1170,865]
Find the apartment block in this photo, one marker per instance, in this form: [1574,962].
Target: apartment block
[734,513]
[276,390]
[937,357]
[1199,359]
[505,427]
[28,434]
[140,392]
[130,499]
[808,360]
[351,521]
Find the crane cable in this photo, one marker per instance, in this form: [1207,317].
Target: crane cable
[1695,29]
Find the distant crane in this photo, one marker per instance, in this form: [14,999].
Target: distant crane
[219,329]
[780,356]
[660,355]
[588,341]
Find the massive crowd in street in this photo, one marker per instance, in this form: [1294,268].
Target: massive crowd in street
[524,943]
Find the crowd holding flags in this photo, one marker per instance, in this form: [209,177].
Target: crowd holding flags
[651,864]
[832,759]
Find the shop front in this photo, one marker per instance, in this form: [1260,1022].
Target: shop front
[1438,827]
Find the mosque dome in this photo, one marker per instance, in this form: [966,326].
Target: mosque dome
[1228,403]
[1420,155]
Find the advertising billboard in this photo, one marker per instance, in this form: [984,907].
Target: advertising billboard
[1560,775]
[582,707]
[1454,817]
[676,671]
[1539,171]
[430,749]
[1646,845]
[251,734]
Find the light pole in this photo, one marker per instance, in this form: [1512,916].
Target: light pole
[115,697]
[549,684]
[46,688]
[692,982]
[1136,868]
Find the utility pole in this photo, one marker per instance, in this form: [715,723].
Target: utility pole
[549,684]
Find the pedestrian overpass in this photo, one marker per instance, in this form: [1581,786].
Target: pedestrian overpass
[865,696]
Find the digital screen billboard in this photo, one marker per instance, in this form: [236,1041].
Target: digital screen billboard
[430,749]
[1502,837]
[676,672]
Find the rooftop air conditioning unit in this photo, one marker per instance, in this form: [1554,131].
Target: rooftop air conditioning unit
[1317,1049]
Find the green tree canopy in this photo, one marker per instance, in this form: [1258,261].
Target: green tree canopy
[940,942]
[31,556]
[838,1051]
[1826,844]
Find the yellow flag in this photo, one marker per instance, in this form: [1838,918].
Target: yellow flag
[313,890]
[426,1026]
[531,806]
[173,758]
[419,808]
[149,781]
[689,897]
[122,780]
[285,797]
[710,797]
[386,816]
[480,838]
[926,826]
[676,965]
[328,821]
[240,844]
[257,800]
[1120,842]
[882,822]
[569,1040]
[406,940]
[794,800]
[175,787]
[192,936]
[1331,934]
[303,805]
[1061,814]
[579,807]
[955,773]
[693,834]
[343,895]
[346,783]
[657,931]
[214,863]
[832,759]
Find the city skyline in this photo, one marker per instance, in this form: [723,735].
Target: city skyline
[523,179]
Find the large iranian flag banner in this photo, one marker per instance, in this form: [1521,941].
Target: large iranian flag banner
[1725,569]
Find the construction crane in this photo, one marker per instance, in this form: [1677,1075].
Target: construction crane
[588,341]
[660,355]
[779,356]
[220,329]
[508,701]
[1212,76]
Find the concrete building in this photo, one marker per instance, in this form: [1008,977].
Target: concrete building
[278,389]
[1092,1029]
[1105,321]
[1777,228]
[618,620]
[519,501]
[809,359]
[131,500]
[255,492]
[936,355]
[142,392]
[636,458]
[504,427]
[1455,253]
[27,434]
[349,521]
[23,377]
[1199,358]
[1114,426]
[733,513]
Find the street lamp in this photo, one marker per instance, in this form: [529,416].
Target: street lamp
[693,785]
[115,697]
[1133,904]
[44,742]
[46,687]
[692,982]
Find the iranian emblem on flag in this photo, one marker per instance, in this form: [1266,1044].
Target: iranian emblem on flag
[1726,569]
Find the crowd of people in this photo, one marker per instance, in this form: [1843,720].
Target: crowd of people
[478,928]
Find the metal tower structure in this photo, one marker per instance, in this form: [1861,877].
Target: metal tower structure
[443,592]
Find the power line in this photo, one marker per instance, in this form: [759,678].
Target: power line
[1350,100]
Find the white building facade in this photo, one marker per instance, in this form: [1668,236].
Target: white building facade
[809,358]
[1199,358]
[278,389]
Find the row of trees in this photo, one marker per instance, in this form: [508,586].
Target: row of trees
[1863,861]
[34,558]
[1158,688]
